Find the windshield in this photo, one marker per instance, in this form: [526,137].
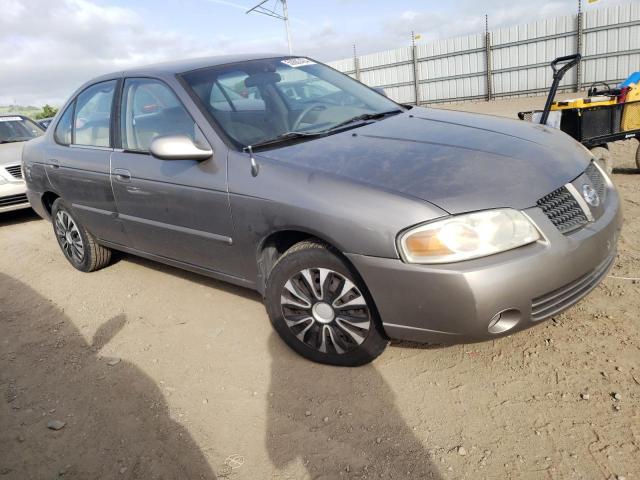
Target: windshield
[261,100]
[18,129]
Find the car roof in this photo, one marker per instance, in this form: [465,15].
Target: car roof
[187,65]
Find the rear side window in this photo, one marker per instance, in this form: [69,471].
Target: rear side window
[92,121]
[151,109]
[63,129]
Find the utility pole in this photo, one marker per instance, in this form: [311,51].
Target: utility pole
[272,12]
[580,35]
[285,11]
[488,58]
[416,70]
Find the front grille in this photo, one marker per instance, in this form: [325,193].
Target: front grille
[554,302]
[597,181]
[14,170]
[13,200]
[563,210]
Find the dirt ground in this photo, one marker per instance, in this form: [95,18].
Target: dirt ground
[162,374]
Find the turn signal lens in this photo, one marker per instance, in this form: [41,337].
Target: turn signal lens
[463,237]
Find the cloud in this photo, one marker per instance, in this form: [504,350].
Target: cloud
[230,4]
[51,47]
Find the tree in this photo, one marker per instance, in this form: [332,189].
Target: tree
[47,112]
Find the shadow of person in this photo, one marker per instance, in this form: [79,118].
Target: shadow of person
[117,423]
[329,422]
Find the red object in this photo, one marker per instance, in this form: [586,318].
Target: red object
[622,96]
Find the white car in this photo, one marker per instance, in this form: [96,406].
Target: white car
[15,130]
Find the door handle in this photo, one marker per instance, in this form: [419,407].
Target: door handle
[53,163]
[121,174]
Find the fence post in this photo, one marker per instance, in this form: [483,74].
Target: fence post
[416,74]
[489,61]
[356,62]
[580,33]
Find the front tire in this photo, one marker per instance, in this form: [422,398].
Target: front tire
[638,157]
[79,247]
[321,309]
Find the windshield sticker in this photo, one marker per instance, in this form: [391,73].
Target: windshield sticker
[297,62]
[10,119]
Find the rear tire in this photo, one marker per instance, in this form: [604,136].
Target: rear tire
[79,247]
[321,308]
[604,156]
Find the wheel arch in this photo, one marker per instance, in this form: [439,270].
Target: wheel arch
[47,199]
[276,243]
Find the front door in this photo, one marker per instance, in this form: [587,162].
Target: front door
[175,209]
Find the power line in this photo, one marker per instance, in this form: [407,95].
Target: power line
[273,12]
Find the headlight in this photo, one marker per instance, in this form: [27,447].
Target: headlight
[467,236]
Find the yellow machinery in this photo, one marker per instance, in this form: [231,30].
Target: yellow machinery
[596,101]
[604,116]
[631,112]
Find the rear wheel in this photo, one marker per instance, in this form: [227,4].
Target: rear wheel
[321,309]
[80,248]
[604,156]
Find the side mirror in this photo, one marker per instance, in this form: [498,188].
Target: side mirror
[178,147]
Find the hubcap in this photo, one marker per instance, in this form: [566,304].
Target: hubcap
[325,310]
[69,237]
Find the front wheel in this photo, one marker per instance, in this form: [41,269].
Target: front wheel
[321,309]
[638,157]
[80,248]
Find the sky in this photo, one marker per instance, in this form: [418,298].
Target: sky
[50,47]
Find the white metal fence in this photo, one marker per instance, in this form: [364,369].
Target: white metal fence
[507,62]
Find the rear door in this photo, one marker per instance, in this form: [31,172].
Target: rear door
[175,209]
[78,161]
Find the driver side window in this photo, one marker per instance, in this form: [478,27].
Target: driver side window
[151,109]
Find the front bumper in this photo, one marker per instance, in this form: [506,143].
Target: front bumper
[456,302]
[13,196]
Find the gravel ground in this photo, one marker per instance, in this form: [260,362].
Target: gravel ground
[148,372]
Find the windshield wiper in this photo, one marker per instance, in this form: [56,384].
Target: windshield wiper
[15,140]
[362,118]
[321,133]
[284,138]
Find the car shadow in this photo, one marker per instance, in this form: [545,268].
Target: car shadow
[203,280]
[117,423]
[18,216]
[328,422]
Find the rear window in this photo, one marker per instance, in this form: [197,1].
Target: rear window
[18,129]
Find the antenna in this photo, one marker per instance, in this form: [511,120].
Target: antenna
[273,12]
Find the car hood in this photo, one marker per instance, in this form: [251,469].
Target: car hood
[457,161]
[11,153]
